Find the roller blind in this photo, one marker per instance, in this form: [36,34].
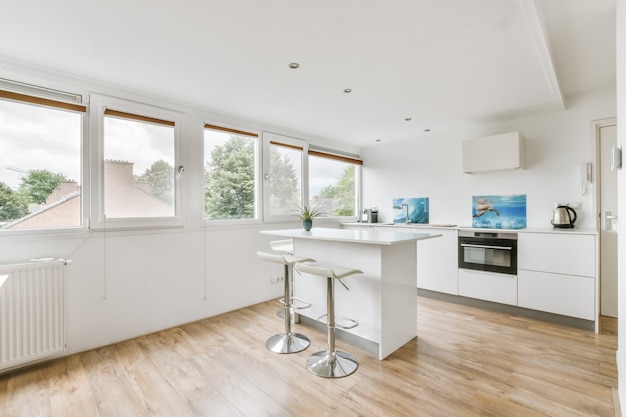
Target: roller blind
[229,130]
[336,155]
[132,116]
[42,101]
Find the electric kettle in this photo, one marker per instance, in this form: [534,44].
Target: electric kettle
[564,217]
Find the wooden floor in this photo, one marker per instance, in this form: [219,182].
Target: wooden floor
[465,362]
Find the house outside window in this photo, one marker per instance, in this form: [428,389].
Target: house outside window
[136,174]
[41,135]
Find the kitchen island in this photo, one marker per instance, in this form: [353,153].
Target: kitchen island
[383,299]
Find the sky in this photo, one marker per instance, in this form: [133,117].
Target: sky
[35,138]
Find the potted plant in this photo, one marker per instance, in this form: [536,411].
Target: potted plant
[307,214]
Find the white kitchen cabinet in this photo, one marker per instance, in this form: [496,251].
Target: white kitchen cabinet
[568,295]
[436,258]
[490,286]
[557,273]
[561,253]
[437,262]
[493,153]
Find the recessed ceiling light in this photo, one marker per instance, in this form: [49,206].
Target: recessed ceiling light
[378,140]
[294,65]
[347,90]
[426,130]
[407,119]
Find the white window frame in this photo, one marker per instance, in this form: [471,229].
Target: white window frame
[304,195]
[347,158]
[38,90]
[258,184]
[97,220]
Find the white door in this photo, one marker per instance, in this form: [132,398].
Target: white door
[608,223]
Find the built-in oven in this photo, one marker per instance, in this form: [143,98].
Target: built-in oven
[488,251]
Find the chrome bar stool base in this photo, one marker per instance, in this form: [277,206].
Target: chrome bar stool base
[287,343]
[335,364]
[331,363]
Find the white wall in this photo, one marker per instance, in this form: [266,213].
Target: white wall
[431,166]
[621,185]
[123,284]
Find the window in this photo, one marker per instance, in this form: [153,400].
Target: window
[230,190]
[333,183]
[137,165]
[283,190]
[40,157]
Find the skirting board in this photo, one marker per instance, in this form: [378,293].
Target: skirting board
[509,309]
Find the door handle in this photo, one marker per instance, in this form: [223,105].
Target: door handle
[608,220]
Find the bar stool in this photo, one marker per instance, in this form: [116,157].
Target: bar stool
[331,363]
[286,342]
[286,246]
[282,245]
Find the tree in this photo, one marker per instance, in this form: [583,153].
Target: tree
[13,205]
[342,193]
[160,176]
[38,184]
[284,193]
[229,180]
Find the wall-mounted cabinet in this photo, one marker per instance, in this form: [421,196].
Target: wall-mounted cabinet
[493,153]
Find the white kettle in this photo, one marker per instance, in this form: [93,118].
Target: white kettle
[564,217]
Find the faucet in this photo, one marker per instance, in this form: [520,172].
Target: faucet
[408,220]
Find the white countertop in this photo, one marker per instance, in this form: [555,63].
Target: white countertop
[380,237]
[573,231]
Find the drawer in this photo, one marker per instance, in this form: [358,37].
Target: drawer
[490,286]
[557,253]
[568,295]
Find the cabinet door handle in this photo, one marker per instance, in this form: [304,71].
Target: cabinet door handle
[469,245]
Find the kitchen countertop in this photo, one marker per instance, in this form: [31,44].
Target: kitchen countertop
[574,231]
[382,237]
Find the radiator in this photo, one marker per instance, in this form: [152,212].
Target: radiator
[31,312]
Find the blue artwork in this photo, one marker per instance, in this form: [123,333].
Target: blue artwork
[499,211]
[416,209]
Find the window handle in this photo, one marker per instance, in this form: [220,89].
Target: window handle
[181,169]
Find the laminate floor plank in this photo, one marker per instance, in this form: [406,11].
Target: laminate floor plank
[183,374]
[157,399]
[111,388]
[70,392]
[28,394]
[465,362]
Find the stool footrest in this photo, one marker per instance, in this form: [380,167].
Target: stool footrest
[350,323]
[294,300]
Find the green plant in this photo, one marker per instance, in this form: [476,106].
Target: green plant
[306,213]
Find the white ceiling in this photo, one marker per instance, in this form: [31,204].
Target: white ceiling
[446,64]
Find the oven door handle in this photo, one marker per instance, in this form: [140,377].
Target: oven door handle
[469,245]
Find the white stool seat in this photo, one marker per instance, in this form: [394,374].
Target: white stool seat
[281,258]
[331,363]
[328,271]
[283,245]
